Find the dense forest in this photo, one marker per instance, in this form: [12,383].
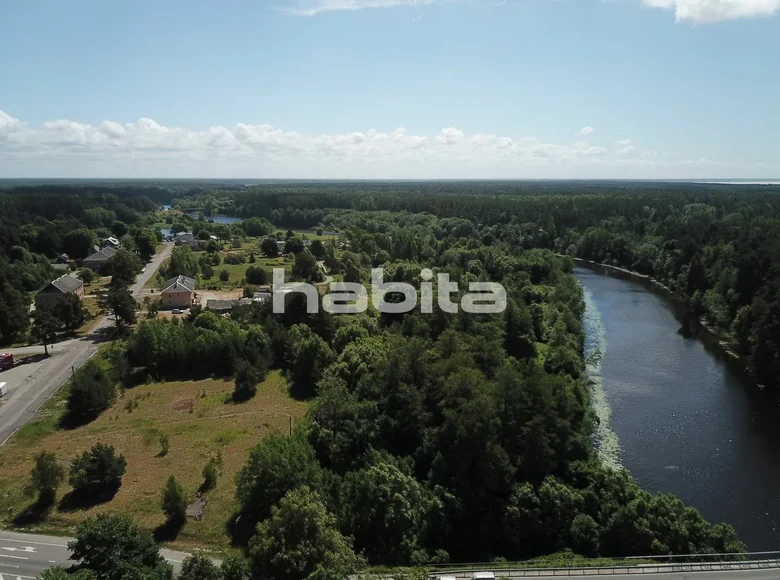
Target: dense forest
[449,436]
[714,245]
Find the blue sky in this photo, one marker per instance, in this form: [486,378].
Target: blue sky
[390,88]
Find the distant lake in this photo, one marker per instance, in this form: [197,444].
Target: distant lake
[219,219]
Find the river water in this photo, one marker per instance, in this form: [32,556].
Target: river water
[675,412]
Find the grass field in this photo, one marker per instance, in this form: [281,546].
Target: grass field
[199,423]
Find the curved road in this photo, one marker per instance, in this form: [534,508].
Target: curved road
[31,384]
[25,556]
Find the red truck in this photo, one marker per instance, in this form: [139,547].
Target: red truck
[6,361]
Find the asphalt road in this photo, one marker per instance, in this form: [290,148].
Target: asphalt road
[32,383]
[25,556]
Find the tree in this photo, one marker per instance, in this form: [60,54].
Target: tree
[294,245]
[44,328]
[112,547]
[79,243]
[318,249]
[204,235]
[236,568]
[119,303]
[275,466]
[309,357]
[301,539]
[70,312]
[200,567]
[224,275]
[91,391]
[97,472]
[182,263]
[212,246]
[87,276]
[388,511]
[165,444]
[256,275]
[246,381]
[14,311]
[305,266]
[147,244]
[269,247]
[119,229]
[210,474]
[59,573]
[46,477]
[124,266]
[174,506]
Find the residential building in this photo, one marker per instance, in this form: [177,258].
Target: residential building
[187,239]
[57,289]
[262,297]
[178,292]
[98,260]
[111,242]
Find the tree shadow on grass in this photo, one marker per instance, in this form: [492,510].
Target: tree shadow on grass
[34,513]
[168,531]
[80,500]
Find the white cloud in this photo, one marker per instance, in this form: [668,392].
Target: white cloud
[623,142]
[586,130]
[314,7]
[708,11]
[146,148]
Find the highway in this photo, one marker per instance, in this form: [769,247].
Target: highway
[25,556]
[31,384]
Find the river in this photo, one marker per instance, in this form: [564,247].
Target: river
[675,412]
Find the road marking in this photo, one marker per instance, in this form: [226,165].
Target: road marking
[29,549]
[18,577]
[33,543]
[14,557]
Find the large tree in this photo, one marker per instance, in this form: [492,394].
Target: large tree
[44,328]
[113,548]
[119,303]
[70,312]
[301,539]
[183,262]
[97,472]
[46,476]
[125,266]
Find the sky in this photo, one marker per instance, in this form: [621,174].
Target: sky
[390,89]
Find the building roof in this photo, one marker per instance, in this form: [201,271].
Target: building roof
[221,305]
[262,296]
[64,285]
[179,283]
[112,240]
[101,255]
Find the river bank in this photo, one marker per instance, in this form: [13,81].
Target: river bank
[724,341]
[674,411]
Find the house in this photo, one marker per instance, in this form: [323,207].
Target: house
[178,292]
[57,289]
[98,260]
[63,258]
[262,297]
[226,306]
[280,247]
[111,242]
[187,239]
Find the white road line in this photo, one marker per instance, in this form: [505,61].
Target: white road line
[14,557]
[8,566]
[33,543]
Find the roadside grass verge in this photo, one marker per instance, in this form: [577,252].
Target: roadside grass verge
[199,423]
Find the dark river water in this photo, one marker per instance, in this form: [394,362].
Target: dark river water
[677,414]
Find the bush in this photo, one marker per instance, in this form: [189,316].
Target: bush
[246,381]
[234,258]
[256,275]
[91,392]
[210,474]
[46,477]
[200,567]
[224,275]
[98,471]
[174,506]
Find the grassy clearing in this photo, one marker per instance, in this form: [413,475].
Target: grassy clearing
[199,423]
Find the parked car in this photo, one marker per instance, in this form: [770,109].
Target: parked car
[178,311]
[3,390]
[6,361]
[483,576]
